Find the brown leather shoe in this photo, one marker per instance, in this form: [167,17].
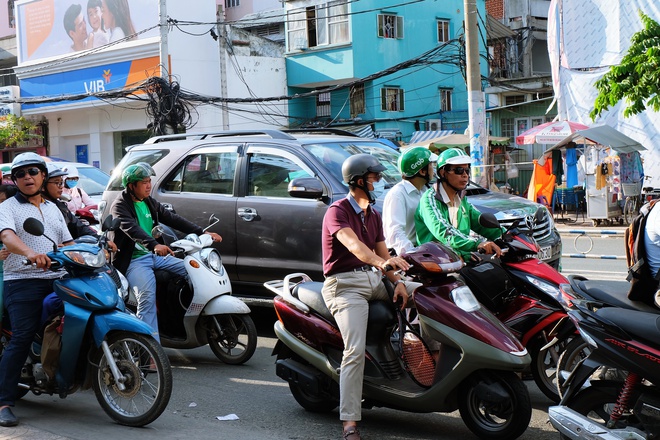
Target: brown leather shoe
[351,433]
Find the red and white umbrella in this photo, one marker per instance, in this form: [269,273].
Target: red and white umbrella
[549,133]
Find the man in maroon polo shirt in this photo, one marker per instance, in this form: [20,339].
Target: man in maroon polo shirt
[354,258]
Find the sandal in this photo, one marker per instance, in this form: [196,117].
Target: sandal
[352,433]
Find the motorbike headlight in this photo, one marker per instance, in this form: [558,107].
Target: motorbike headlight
[465,299]
[548,288]
[87,258]
[212,259]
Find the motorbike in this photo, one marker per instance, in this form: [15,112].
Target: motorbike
[474,371]
[622,405]
[97,343]
[522,292]
[87,215]
[201,310]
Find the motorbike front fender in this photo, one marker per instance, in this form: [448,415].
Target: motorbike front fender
[224,305]
[103,323]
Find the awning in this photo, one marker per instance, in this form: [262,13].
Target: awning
[603,135]
[496,30]
[455,140]
[364,131]
[419,136]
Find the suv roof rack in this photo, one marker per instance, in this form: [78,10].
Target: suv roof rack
[337,131]
[274,134]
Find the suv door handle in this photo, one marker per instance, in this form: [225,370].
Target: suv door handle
[247,214]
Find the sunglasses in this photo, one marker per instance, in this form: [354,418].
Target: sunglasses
[31,171]
[459,170]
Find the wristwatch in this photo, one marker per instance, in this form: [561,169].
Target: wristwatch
[397,282]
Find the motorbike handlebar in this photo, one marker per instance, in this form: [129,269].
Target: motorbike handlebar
[54,265]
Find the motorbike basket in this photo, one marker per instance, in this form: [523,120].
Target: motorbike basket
[415,354]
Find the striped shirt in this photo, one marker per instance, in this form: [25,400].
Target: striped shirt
[13,212]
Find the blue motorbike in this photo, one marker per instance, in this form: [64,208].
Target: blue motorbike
[98,343]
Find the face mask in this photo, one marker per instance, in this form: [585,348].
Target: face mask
[71,183]
[379,189]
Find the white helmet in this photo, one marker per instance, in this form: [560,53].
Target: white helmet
[71,171]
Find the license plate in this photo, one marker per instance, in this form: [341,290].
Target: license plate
[545,253]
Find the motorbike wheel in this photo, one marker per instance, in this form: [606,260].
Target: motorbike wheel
[311,402]
[598,400]
[148,384]
[232,338]
[495,415]
[544,365]
[574,352]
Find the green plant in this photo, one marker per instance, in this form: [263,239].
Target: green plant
[16,130]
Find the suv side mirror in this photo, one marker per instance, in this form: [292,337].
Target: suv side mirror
[306,188]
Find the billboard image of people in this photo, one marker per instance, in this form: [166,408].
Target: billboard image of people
[53,28]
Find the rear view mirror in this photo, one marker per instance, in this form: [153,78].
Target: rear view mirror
[106,223]
[33,226]
[306,188]
[488,220]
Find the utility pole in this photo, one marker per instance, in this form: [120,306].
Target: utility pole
[479,150]
[162,47]
[222,40]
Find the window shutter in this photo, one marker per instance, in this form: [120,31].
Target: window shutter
[401,105]
[399,27]
[381,32]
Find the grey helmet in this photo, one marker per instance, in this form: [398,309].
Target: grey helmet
[358,165]
[55,171]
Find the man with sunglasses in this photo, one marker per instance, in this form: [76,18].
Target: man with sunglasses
[446,216]
[25,286]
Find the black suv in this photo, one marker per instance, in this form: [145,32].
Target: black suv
[270,190]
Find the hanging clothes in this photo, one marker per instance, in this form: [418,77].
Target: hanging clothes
[571,168]
[632,170]
[542,184]
[557,166]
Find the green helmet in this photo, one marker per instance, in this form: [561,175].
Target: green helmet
[453,156]
[414,159]
[136,173]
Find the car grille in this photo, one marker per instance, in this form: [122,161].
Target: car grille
[541,231]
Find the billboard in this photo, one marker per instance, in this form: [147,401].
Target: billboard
[88,80]
[55,28]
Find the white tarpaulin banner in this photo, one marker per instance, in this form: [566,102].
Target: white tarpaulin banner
[584,39]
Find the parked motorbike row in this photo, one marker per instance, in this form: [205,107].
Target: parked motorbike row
[586,346]
[98,341]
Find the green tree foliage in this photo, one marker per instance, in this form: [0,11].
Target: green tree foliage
[16,130]
[637,78]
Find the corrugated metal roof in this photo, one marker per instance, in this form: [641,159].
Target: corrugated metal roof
[496,30]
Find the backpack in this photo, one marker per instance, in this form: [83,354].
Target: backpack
[642,284]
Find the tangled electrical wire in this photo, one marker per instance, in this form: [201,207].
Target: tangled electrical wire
[166,108]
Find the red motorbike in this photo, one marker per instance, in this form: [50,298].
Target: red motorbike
[522,292]
[474,369]
[87,215]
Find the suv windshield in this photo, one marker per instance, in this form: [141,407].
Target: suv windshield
[148,156]
[333,154]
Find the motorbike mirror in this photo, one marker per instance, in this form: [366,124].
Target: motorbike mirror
[157,232]
[35,227]
[107,223]
[538,216]
[212,221]
[488,220]
[115,224]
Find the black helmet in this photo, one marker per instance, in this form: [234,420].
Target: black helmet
[358,165]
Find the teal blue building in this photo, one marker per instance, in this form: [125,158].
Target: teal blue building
[398,66]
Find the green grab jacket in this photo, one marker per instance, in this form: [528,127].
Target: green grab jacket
[432,223]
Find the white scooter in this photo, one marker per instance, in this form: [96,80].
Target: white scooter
[201,310]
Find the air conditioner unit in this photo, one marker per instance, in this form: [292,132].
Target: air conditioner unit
[433,124]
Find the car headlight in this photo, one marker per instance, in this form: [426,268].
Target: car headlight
[87,258]
[465,299]
[212,259]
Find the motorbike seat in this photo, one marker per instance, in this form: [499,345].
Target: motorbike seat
[614,293]
[310,294]
[642,324]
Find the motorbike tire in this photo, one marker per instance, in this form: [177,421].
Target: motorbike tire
[312,403]
[597,401]
[149,379]
[544,365]
[491,420]
[232,338]
[574,351]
